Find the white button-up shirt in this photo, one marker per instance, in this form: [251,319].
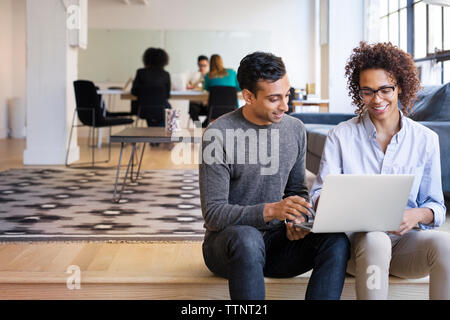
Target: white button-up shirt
[352,148]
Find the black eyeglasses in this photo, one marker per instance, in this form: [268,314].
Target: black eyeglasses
[383,92]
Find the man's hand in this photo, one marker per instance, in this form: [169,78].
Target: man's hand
[411,218]
[288,208]
[293,233]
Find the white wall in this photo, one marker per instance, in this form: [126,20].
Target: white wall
[17,118]
[346,30]
[12,57]
[290,22]
[19,49]
[5,63]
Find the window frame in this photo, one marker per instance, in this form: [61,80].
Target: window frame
[441,55]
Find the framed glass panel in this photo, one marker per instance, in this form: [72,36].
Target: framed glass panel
[446,28]
[384,34]
[393,5]
[420,30]
[383,8]
[435,28]
[393,29]
[446,71]
[403,30]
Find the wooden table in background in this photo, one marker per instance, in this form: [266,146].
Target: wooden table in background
[147,135]
[191,95]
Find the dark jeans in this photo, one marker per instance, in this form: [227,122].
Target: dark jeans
[243,256]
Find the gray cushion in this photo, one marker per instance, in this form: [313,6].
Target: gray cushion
[317,134]
[433,104]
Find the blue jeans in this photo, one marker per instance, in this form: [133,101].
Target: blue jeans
[244,256]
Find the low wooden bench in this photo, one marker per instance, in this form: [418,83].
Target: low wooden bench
[141,271]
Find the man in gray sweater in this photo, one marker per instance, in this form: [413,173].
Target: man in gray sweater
[252,178]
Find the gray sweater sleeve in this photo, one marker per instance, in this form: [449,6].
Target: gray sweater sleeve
[218,213]
[214,182]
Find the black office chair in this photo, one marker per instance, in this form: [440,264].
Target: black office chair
[112,114]
[151,105]
[91,114]
[222,99]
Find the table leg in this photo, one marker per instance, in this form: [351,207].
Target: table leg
[133,150]
[118,174]
[140,162]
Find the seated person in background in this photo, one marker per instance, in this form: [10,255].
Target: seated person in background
[195,81]
[383,83]
[153,76]
[219,76]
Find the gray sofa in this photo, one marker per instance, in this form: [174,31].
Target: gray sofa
[432,110]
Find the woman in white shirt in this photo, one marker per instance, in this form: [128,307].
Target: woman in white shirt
[383,84]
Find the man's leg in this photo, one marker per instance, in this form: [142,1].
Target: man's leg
[237,253]
[421,253]
[325,253]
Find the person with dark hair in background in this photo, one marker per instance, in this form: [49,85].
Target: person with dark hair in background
[195,81]
[153,75]
[245,203]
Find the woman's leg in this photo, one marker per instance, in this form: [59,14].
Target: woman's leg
[422,253]
[369,263]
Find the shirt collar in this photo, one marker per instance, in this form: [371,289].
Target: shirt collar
[372,131]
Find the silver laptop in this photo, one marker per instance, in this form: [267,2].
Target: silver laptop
[350,203]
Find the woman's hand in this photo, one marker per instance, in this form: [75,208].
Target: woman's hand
[412,217]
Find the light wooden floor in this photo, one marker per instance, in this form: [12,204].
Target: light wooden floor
[133,270]
[26,263]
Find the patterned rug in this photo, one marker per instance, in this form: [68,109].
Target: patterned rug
[76,204]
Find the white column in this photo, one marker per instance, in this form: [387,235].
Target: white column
[51,69]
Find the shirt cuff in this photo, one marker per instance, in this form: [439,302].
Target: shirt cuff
[438,215]
[314,196]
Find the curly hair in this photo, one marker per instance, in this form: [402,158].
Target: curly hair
[397,63]
[155,57]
